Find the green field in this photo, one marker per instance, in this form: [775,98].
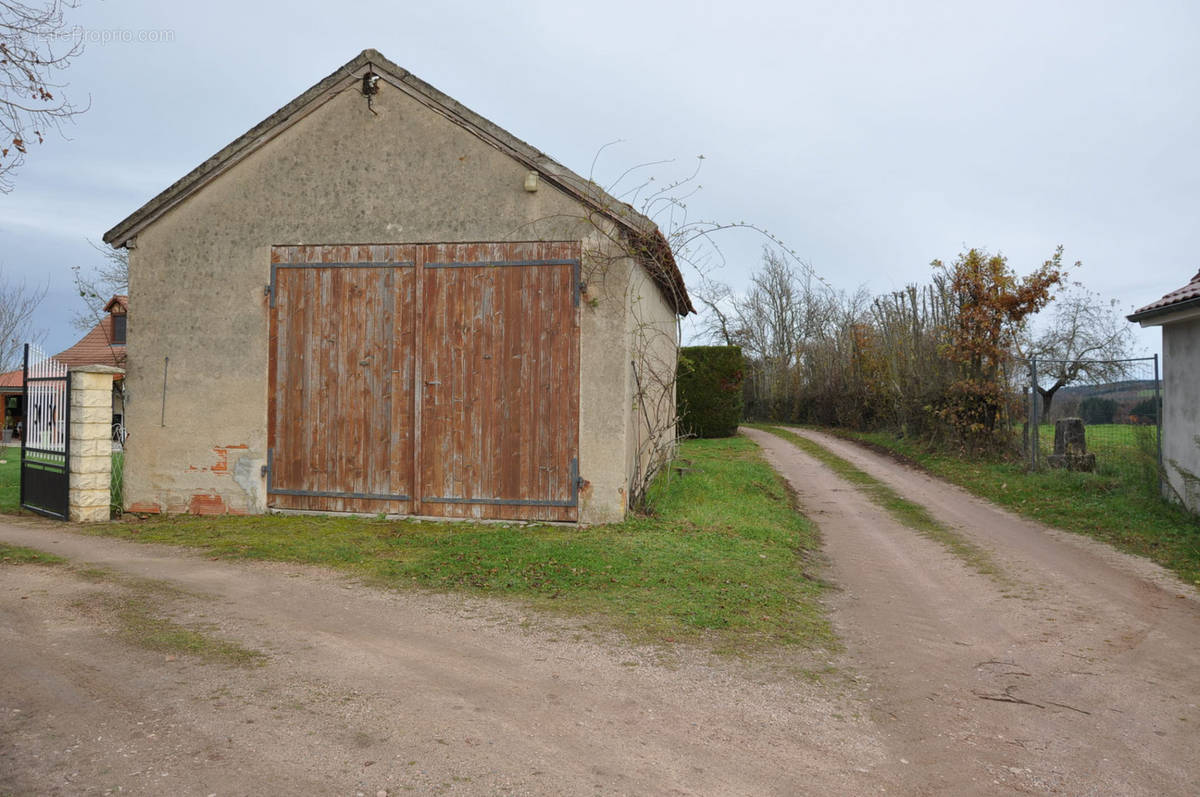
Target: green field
[1119,438]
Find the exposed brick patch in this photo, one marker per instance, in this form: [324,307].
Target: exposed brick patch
[145,508]
[206,505]
[221,466]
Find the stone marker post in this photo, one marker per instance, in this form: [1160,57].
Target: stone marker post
[90,467]
[1070,446]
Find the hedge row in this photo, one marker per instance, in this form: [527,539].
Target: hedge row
[710,390]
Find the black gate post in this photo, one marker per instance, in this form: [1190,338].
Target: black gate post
[24,419]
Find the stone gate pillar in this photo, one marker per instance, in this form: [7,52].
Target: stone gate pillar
[90,467]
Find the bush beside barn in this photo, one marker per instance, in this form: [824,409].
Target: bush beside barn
[710,390]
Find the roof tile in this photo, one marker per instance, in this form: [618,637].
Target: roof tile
[1187,293]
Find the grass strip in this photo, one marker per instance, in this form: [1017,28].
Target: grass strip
[18,555]
[1118,504]
[721,560]
[140,623]
[905,512]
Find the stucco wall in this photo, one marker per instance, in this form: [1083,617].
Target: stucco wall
[404,174]
[1181,408]
[652,332]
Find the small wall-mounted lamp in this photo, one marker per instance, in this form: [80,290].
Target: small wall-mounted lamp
[370,87]
[531,181]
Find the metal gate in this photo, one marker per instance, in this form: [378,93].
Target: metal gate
[433,379]
[46,437]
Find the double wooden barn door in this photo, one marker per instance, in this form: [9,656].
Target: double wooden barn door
[437,379]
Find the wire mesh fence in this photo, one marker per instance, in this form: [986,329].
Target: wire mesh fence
[1119,403]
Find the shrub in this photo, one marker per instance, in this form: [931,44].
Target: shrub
[710,390]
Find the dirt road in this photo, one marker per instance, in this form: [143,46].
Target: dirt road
[365,691]
[1076,672]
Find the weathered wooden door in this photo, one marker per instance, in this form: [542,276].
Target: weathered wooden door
[500,381]
[340,420]
[436,379]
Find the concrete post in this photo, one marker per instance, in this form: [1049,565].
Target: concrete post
[91,442]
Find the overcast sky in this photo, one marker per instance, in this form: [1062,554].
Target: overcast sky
[872,137]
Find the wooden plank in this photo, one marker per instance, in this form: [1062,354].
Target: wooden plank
[402,365]
[418,375]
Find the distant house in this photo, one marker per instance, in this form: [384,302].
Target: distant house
[1178,313]
[104,344]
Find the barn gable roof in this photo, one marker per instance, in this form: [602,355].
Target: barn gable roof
[1185,298]
[647,243]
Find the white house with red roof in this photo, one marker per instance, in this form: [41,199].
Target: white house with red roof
[1178,313]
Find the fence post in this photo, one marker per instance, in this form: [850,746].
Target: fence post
[1158,423]
[1034,427]
[90,459]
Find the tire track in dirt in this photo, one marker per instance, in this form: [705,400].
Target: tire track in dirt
[1084,679]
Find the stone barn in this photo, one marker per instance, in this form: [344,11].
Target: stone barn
[378,301]
[1178,313]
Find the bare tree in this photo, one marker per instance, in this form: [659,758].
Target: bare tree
[35,43]
[1084,337]
[772,321]
[18,304]
[98,285]
[717,323]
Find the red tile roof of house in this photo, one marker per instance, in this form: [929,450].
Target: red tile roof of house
[94,348]
[1188,294]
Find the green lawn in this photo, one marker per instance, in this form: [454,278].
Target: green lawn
[1118,504]
[723,560]
[10,480]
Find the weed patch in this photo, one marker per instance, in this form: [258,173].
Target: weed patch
[134,608]
[139,623]
[17,555]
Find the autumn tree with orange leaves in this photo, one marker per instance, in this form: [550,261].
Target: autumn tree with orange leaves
[993,304]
